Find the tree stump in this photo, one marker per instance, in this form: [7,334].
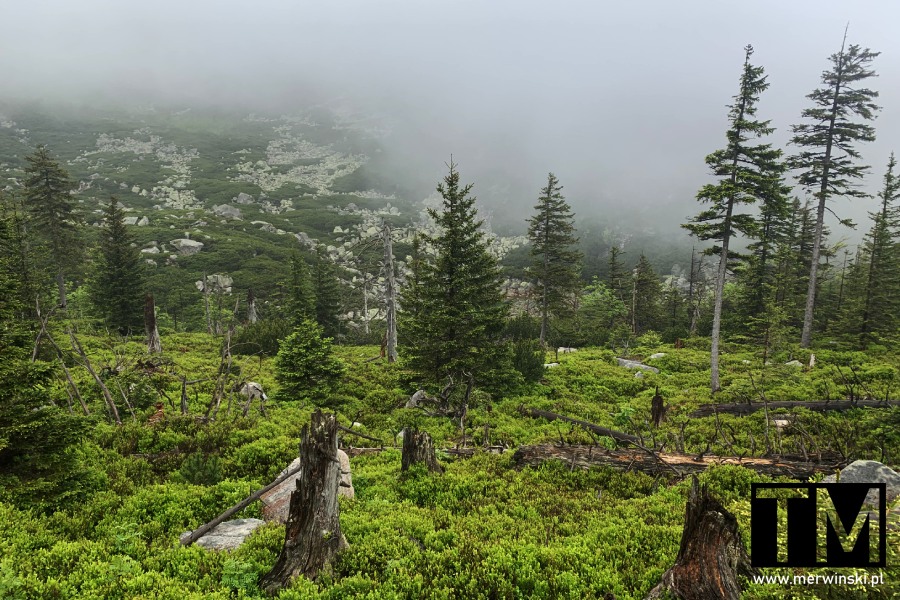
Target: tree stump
[657,409]
[313,531]
[418,448]
[712,554]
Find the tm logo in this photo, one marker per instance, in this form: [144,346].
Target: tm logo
[824,525]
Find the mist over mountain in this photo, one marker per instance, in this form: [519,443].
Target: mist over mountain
[622,103]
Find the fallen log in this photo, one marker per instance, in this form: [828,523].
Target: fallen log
[709,410]
[656,463]
[712,554]
[592,427]
[198,533]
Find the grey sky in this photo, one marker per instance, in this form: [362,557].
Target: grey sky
[621,100]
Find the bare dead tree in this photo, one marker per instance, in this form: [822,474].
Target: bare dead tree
[390,295]
[72,388]
[251,308]
[154,345]
[85,361]
[313,531]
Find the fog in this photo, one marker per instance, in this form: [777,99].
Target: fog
[621,101]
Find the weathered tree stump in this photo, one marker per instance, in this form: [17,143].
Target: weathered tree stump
[657,409]
[313,531]
[418,448]
[711,556]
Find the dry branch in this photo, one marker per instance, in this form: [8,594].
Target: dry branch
[206,527]
[593,428]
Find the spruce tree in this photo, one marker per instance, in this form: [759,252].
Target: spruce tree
[301,298]
[616,275]
[456,312]
[828,159]
[118,281]
[646,298]
[746,172]
[37,464]
[328,293]
[556,264]
[48,193]
[882,283]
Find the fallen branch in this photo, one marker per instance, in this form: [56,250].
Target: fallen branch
[198,533]
[550,416]
[816,405]
[362,435]
[593,456]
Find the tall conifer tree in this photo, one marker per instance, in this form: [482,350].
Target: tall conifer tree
[48,194]
[556,263]
[882,285]
[457,313]
[328,293]
[828,159]
[746,172]
[118,281]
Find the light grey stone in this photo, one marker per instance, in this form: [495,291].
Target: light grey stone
[186,247]
[226,210]
[633,364]
[228,535]
[870,471]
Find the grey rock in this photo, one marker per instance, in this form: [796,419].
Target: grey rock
[562,350]
[130,220]
[143,222]
[639,375]
[226,210]
[150,250]
[657,356]
[228,535]
[186,247]
[550,365]
[414,400]
[870,471]
[244,198]
[793,363]
[633,364]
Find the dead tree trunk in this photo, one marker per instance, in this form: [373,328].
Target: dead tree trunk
[313,532]
[816,405]
[663,463]
[154,346]
[390,296]
[711,556]
[418,448]
[251,308]
[657,409]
